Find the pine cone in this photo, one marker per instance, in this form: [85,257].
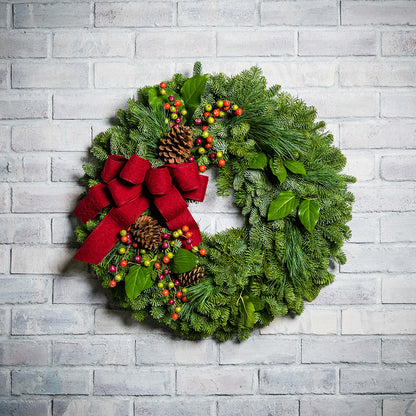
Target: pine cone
[176,145]
[192,277]
[146,232]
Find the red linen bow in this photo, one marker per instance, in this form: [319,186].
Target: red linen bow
[123,190]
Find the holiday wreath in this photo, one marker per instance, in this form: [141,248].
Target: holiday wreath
[276,160]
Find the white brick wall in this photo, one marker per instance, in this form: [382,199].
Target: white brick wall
[65,69]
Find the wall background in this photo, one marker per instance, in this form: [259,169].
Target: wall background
[64,70]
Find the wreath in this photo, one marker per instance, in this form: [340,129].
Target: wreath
[270,154]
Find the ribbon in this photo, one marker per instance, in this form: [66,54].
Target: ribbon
[124,188]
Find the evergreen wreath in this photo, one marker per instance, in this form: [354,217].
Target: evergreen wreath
[272,156]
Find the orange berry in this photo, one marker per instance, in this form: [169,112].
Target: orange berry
[178,103]
[157,266]
[185,228]
[207,146]
[226,108]
[128,229]
[227,103]
[175,316]
[165,293]
[166,259]
[239,111]
[202,252]
[124,239]
[204,128]
[162,85]
[202,168]
[209,139]
[184,299]
[167,106]
[221,162]
[207,114]
[188,234]
[123,263]
[216,112]
[113,283]
[179,294]
[135,245]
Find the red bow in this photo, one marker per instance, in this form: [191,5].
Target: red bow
[123,189]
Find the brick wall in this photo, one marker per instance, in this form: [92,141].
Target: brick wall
[64,70]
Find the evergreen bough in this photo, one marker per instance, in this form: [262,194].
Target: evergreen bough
[284,175]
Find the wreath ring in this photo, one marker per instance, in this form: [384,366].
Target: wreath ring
[276,161]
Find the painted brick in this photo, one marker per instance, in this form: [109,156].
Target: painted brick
[343,104]
[300,74]
[337,43]
[124,75]
[222,13]
[23,107]
[257,406]
[398,105]
[398,43]
[101,351]
[398,227]
[227,66]
[49,381]
[259,350]
[175,407]
[207,222]
[132,14]
[376,380]
[88,105]
[297,380]
[398,168]
[209,381]
[394,407]
[168,44]
[3,15]
[4,198]
[4,259]
[4,321]
[4,383]
[90,407]
[179,350]
[398,289]
[45,198]
[383,258]
[49,75]
[365,228]
[312,321]
[25,290]
[340,350]
[4,74]
[398,351]
[256,43]
[24,169]
[25,407]
[50,320]
[378,135]
[360,165]
[374,74]
[349,292]
[4,138]
[384,322]
[133,382]
[340,406]
[63,137]
[23,45]
[68,168]
[63,229]
[391,197]
[23,230]
[377,13]
[322,13]
[78,290]
[24,352]
[51,15]
[88,44]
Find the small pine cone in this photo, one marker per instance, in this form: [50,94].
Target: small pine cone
[192,277]
[176,145]
[146,232]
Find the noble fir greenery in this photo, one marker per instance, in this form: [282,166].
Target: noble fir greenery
[283,172]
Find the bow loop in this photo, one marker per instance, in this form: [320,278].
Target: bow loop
[158,181]
[186,176]
[135,169]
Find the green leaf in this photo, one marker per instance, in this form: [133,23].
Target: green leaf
[256,301]
[257,160]
[155,100]
[283,205]
[278,169]
[137,280]
[183,262]
[295,166]
[247,310]
[308,214]
[191,92]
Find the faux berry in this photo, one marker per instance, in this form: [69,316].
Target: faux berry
[212,156]
[221,162]
[175,316]
[160,285]
[162,85]
[208,107]
[121,250]
[178,120]
[191,158]
[173,116]
[171,285]
[222,114]
[171,301]
[123,263]
[123,232]
[239,111]
[167,106]
[220,103]
[175,234]
[165,293]
[184,112]
[204,128]
[184,299]
[135,245]
[202,168]
[234,107]
[179,230]
[198,121]
[205,134]
[209,139]
[188,241]
[171,98]
[166,259]
[184,290]
[198,141]
[208,146]
[118,277]
[201,150]
[178,309]
[216,112]
[165,236]
[166,271]
[188,234]
[179,294]
[112,269]
[146,263]
[138,259]
[170,255]
[211,120]
[219,154]
[202,252]
[165,245]
[157,265]
[142,251]
[185,228]
[161,277]
[113,283]
[178,103]
[207,114]
[163,91]
[124,239]
[173,109]
[194,249]
[227,103]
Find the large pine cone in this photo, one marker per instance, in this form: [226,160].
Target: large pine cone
[176,145]
[192,277]
[146,232]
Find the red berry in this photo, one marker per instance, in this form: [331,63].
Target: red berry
[162,85]
[167,106]
[157,266]
[202,252]
[221,162]
[123,263]
[239,111]
[202,168]
[166,259]
[179,294]
[204,128]
[135,245]
[175,316]
[124,239]
[207,146]
[226,108]
[165,293]
[184,299]
[178,103]
[188,234]
[216,112]
[226,103]
[113,283]
[209,139]
[185,228]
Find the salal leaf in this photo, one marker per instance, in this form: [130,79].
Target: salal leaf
[295,166]
[283,205]
[308,214]
[257,160]
[137,280]
[247,310]
[183,261]
[278,169]
[155,100]
[191,92]
[257,302]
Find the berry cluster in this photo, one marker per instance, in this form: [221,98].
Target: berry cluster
[174,106]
